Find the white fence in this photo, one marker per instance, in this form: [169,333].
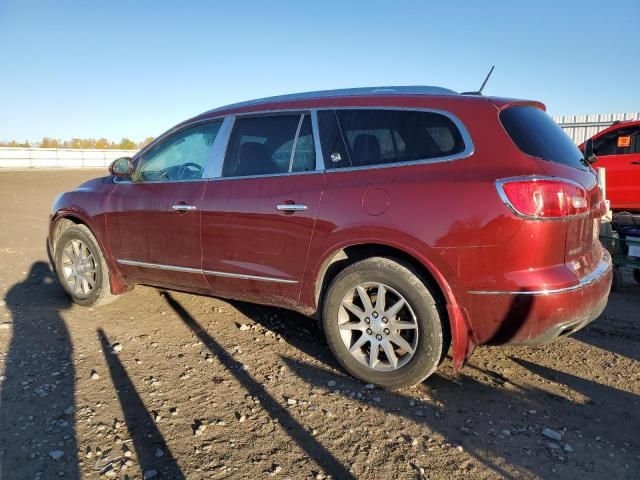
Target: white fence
[11,157]
[581,127]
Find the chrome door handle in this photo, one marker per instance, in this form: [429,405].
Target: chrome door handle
[291,207]
[183,208]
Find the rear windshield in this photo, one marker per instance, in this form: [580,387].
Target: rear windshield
[535,133]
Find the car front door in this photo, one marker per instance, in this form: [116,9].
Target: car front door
[619,154]
[153,221]
[258,216]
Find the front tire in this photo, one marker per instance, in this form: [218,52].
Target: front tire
[382,323]
[81,268]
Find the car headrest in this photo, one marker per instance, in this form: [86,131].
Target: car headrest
[366,150]
[253,159]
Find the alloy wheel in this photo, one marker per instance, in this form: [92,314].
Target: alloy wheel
[378,326]
[79,268]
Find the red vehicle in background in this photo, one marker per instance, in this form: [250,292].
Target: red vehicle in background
[618,152]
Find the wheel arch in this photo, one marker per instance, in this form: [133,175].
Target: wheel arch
[64,219]
[458,330]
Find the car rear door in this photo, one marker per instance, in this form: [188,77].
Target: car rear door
[153,221]
[618,153]
[258,216]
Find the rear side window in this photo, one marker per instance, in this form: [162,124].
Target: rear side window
[353,138]
[623,141]
[536,134]
[267,145]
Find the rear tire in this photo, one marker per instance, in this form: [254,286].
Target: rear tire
[81,268]
[393,343]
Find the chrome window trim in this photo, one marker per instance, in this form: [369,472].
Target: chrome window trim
[175,268]
[215,173]
[604,266]
[503,196]
[316,140]
[295,142]
[220,148]
[469,148]
[268,175]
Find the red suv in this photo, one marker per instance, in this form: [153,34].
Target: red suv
[405,218]
[618,151]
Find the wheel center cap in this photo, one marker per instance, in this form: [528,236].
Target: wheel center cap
[376,325]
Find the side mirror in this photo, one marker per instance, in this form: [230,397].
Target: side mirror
[121,167]
[589,154]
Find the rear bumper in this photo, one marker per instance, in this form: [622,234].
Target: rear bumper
[532,317]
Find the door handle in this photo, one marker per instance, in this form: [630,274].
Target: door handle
[635,163]
[291,207]
[183,208]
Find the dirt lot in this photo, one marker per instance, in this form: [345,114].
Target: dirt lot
[174,385]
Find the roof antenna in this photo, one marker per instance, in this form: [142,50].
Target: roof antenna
[479,92]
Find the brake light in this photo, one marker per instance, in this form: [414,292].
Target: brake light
[543,197]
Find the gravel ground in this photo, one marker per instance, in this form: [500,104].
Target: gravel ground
[171,385]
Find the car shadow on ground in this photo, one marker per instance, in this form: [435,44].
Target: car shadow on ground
[619,333]
[456,398]
[36,372]
[301,332]
[298,433]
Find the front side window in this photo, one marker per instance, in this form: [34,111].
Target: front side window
[353,138]
[182,156]
[623,141]
[268,145]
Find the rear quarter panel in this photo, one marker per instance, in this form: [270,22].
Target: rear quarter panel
[446,214]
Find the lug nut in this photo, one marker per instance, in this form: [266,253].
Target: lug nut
[367,320]
[379,337]
[369,331]
[386,331]
[375,314]
[385,320]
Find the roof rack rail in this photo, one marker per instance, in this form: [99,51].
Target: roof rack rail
[344,92]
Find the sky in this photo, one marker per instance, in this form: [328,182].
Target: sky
[133,69]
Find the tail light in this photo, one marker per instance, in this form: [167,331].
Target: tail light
[543,198]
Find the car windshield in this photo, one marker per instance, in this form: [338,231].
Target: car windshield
[536,134]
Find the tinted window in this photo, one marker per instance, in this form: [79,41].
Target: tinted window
[378,137]
[535,133]
[182,156]
[265,146]
[619,142]
[333,146]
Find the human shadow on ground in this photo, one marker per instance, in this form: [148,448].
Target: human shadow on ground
[298,433]
[147,439]
[37,434]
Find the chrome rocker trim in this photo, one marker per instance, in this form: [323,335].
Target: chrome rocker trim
[174,268]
